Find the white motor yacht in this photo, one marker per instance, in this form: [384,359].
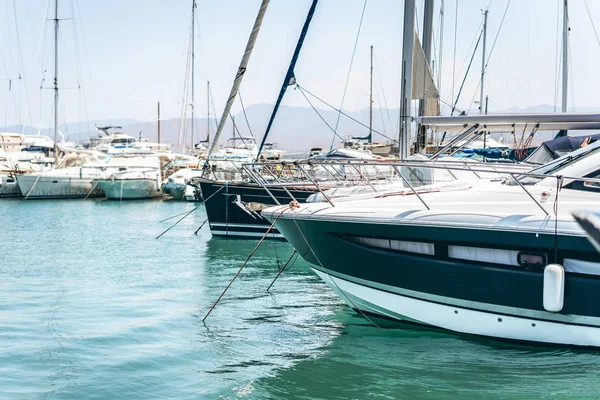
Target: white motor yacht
[500,259]
[129,177]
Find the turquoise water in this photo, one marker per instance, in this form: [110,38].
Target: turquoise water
[92,306]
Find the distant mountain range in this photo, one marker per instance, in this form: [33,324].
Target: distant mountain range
[295,129]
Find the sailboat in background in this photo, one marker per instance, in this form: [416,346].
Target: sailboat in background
[366,143]
[68,179]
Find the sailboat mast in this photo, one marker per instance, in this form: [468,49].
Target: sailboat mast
[371,101]
[565,55]
[421,144]
[158,110]
[240,73]
[208,113]
[485,18]
[408,45]
[193,57]
[290,78]
[55,82]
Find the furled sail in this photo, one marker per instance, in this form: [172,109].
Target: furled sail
[423,84]
[240,73]
[289,79]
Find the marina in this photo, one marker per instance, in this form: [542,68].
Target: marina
[436,247]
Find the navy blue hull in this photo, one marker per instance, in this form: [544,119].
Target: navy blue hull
[332,247]
[234,208]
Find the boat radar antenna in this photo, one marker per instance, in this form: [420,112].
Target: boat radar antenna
[105,129]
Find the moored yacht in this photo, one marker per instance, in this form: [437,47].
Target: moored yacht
[176,185]
[131,177]
[70,180]
[504,260]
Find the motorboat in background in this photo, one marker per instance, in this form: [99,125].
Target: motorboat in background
[271,152]
[111,140]
[176,185]
[503,260]
[131,178]
[21,154]
[138,175]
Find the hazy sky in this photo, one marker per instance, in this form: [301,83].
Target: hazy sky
[129,54]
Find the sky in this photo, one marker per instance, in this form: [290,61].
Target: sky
[118,58]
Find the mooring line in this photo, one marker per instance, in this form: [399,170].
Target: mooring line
[174,216]
[283,268]
[244,264]
[30,190]
[180,219]
[188,213]
[328,274]
[198,230]
[92,189]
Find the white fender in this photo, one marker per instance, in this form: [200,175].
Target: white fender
[554,287]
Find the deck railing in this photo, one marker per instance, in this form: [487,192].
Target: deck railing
[374,173]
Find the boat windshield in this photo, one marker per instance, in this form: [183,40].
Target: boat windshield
[554,167]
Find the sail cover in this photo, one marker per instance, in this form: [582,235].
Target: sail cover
[240,74]
[423,84]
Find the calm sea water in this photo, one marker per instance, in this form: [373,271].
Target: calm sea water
[92,306]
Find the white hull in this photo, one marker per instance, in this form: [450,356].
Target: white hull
[458,319]
[130,189]
[56,187]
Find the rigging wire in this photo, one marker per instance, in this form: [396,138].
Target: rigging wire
[76,12]
[320,116]
[466,74]
[21,65]
[475,40]
[245,116]
[557,65]
[497,34]
[570,77]
[350,69]
[9,71]
[441,49]
[592,21]
[454,58]
[212,102]
[236,129]
[489,56]
[342,113]
[181,138]
[383,93]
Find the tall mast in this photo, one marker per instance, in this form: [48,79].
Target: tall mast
[427,39]
[240,73]
[158,109]
[371,101]
[408,44]
[439,64]
[485,17]
[289,78]
[565,55]
[193,56]
[55,82]
[208,113]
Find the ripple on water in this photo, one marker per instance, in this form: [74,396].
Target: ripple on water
[93,306]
